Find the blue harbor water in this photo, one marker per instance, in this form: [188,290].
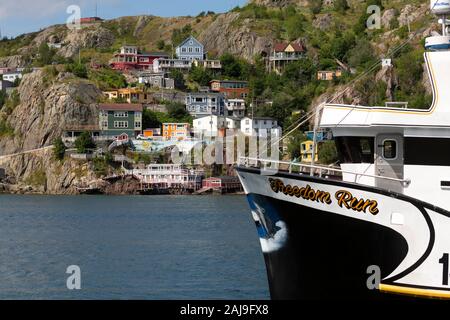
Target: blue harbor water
[131,247]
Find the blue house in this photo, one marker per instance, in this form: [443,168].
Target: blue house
[190,49]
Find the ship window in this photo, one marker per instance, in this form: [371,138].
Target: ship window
[390,149]
[355,149]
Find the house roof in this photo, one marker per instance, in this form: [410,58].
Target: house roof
[281,46]
[261,118]
[187,39]
[153,54]
[121,107]
[228,81]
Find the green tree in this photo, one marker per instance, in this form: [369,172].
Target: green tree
[200,75]
[294,26]
[177,110]
[341,6]
[59,149]
[316,6]
[150,119]
[361,55]
[160,44]
[230,66]
[45,55]
[3,98]
[179,35]
[84,142]
[178,78]
[327,152]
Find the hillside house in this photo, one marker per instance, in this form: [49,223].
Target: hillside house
[260,126]
[235,108]
[130,95]
[176,131]
[190,49]
[5,85]
[215,126]
[284,53]
[12,76]
[232,89]
[166,65]
[157,80]
[329,75]
[208,64]
[118,119]
[205,103]
[130,58]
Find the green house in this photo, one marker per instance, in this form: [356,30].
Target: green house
[120,118]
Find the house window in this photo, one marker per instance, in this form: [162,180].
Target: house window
[137,124]
[105,124]
[183,49]
[121,114]
[247,121]
[197,49]
[120,124]
[390,149]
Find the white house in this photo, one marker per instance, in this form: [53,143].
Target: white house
[208,125]
[167,65]
[260,126]
[213,126]
[235,107]
[12,76]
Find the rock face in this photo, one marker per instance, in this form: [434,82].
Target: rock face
[387,18]
[387,75]
[42,115]
[16,61]
[90,37]
[323,22]
[222,36]
[280,3]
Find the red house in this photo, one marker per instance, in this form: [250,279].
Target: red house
[90,20]
[129,58]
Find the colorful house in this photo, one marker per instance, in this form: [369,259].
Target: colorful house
[329,75]
[190,49]
[284,53]
[129,58]
[118,119]
[232,89]
[176,131]
[130,95]
[306,151]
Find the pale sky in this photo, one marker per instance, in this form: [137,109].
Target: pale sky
[23,16]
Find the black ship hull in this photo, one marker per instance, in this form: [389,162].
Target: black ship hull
[319,249]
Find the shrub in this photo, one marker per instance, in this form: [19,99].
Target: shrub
[84,142]
[327,152]
[59,149]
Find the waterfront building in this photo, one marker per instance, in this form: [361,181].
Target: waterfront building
[223,184]
[168,176]
[118,119]
[284,53]
[205,103]
[176,131]
[190,49]
[231,89]
[235,108]
[260,126]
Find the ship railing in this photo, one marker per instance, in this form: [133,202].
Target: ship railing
[315,169]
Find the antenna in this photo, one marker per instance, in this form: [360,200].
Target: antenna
[96,8]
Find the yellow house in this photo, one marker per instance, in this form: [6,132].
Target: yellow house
[306,151]
[130,95]
[329,75]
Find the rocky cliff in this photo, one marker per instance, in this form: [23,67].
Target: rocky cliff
[48,104]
